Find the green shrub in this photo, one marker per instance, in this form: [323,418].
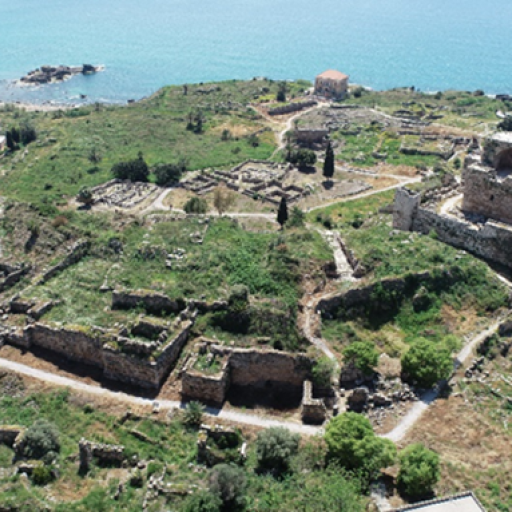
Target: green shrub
[427,363]
[202,501]
[275,448]
[297,218]
[322,372]
[42,475]
[419,470]
[39,439]
[133,170]
[363,355]
[196,205]
[352,443]
[166,174]
[154,467]
[229,484]
[193,414]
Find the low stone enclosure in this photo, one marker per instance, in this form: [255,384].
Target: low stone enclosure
[223,368]
[122,193]
[118,353]
[251,178]
[217,444]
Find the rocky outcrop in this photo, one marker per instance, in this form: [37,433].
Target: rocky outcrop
[52,74]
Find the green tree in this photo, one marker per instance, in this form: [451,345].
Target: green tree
[427,363]
[196,205]
[28,134]
[352,443]
[275,448]
[166,174]
[302,158]
[40,438]
[281,92]
[133,170]
[193,415]
[9,141]
[229,484]
[328,169]
[419,470]
[94,156]
[15,134]
[282,212]
[223,198]
[322,371]
[363,355]
[202,501]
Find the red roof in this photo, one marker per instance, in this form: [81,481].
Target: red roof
[333,75]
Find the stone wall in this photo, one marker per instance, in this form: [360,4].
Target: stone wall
[490,240]
[78,251]
[75,343]
[246,368]
[310,136]
[12,275]
[196,385]
[313,409]
[292,107]
[11,434]
[152,302]
[486,194]
[97,347]
[104,453]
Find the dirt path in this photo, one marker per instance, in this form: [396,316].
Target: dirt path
[239,417]
[421,406]
[450,204]
[405,181]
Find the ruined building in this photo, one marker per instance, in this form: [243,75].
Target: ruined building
[484,225]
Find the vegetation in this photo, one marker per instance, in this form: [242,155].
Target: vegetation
[363,355]
[328,168]
[302,158]
[419,470]
[40,440]
[133,170]
[223,198]
[167,174]
[282,212]
[229,483]
[196,205]
[275,448]
[322,372]
[193,414]
[353,445]
[427,363]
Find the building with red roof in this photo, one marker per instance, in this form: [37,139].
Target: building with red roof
[331,84]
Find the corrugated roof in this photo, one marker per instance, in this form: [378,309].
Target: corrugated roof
[333,75]
[466,502]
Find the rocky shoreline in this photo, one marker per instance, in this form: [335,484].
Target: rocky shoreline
[54,74]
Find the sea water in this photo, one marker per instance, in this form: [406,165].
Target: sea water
[145,44]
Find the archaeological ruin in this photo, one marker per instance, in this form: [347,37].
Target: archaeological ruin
[482,226]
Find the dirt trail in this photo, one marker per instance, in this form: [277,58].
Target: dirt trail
[414,414]
[239,417]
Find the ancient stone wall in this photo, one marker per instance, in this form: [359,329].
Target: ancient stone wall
[292,107]
[486,194]
[152,302]
[196,385]
[246,368]
[12,275]
[490,240]
[78,251]
[75,343]
[10,434]
[310,136]
[313,409]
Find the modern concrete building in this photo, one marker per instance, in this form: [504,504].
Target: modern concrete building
[331,84]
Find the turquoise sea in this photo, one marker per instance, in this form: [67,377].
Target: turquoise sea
[145,44]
